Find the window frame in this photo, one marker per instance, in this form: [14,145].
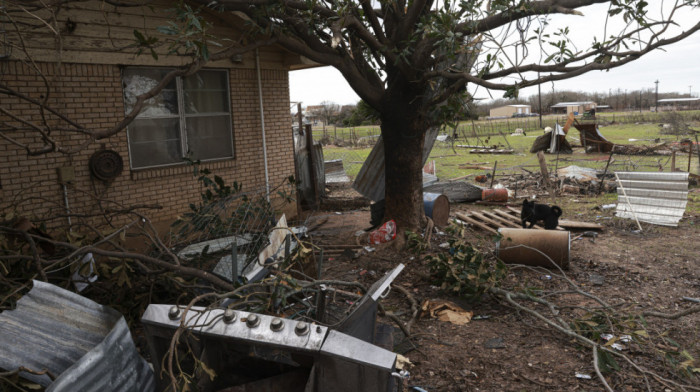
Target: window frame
[182,117]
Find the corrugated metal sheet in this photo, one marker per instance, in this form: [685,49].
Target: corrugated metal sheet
[370,181]
[87,345]
[655,197]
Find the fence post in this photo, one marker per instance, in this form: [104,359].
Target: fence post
[312,168]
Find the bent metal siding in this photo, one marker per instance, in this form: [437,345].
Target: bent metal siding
[91,95]
[658,198]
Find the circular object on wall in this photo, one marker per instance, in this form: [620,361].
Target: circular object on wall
[106,165]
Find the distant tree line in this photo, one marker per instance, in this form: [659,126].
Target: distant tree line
[362,114]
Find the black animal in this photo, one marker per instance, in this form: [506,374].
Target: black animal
[533,213]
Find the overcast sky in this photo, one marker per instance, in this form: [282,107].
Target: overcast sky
[677,68]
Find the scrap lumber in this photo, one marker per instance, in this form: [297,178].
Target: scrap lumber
[475,222]
[486,219]
[492,151]
[514,218]
[569,224]
[494,219]
[504,221]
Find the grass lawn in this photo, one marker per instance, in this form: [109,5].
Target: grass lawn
[448,157]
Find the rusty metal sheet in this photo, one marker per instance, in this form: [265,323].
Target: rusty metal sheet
[86,344]
[655,197]
[592,138]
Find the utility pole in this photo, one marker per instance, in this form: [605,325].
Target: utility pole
[656,105]
[640,101]
[690,91]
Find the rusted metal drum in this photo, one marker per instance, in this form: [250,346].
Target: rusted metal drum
[534,247]
[437,207]
[500,194]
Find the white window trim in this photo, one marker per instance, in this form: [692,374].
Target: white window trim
[182,116]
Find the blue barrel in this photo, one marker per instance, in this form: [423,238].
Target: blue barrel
[437,207]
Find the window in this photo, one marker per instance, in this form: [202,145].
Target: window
[190,117]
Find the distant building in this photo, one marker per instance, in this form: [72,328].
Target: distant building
[573,107]
[673,104]
[510,110]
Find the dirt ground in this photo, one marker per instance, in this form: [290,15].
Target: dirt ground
[504,349]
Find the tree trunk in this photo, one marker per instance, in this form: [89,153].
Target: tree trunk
[403,145]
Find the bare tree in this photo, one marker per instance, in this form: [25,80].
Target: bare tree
[329,111]
[411,60]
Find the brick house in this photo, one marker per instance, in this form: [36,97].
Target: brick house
[93,75]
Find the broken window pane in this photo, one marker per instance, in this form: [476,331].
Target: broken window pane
[138,81]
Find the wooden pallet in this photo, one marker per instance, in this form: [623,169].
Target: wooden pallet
[494,219]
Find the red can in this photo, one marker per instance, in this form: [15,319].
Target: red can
[500,194]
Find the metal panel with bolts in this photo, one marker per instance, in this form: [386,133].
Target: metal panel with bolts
[248,349]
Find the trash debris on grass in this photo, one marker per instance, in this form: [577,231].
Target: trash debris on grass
[612,341]
[578,173]
[583,376]
[444,310]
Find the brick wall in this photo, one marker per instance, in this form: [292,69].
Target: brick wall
[91,95]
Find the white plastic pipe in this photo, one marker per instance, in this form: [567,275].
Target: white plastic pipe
[262,123]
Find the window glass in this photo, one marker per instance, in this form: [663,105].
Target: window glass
[206,92]
[155,142]
[156,137]
[209,137]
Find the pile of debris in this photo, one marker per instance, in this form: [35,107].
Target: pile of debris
[630,149]
[571,180]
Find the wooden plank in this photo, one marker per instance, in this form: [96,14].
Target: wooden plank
[569,224]
[507,215]
[507,222]
[515,218]
[486,219]
[475,222]
[537,225]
